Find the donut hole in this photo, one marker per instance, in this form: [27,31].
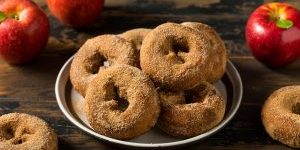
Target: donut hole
[121,101]
[94,63]
[180,46]
[26,132]
[171,97]
[9,133]
[197,95]
[23,137]
[19,141]
[17,136]
[191,97]
[296,108]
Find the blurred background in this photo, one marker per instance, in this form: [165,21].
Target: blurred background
[228,17]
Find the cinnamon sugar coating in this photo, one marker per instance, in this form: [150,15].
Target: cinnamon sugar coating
[219,52]
[136,36]
[178,57]
[192,112]
[182,59]
[281,115]
[98,53]
[106,99]
[20,131]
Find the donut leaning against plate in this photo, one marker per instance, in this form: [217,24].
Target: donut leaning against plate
[280,115]
[95,54]
[121,102]
[26,132]
[178,57]
[136,36]
[192,112]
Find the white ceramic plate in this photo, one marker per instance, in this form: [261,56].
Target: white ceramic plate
[71,104]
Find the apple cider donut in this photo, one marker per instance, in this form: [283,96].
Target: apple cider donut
[281,116]
[136,36]
[122,102]
[98,53]
[171,97]
[192,112]
[219,54]
[177,57]
[25,132]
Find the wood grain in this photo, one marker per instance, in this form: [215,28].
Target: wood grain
[30,88]
[226,16]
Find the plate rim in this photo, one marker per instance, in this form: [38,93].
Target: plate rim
[150,145]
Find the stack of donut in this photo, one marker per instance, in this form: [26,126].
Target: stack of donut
[145,77]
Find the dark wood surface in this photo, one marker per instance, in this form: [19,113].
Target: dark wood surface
[30,88]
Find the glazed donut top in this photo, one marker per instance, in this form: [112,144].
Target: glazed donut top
[26,132]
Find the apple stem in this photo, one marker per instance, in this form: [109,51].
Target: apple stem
[273,17]
[284,23]
[14,16]
[281,22]
[2,16]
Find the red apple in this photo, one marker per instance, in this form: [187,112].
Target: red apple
[24,31]
[273,34]
[76,13]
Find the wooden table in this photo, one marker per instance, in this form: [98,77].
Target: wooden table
[30,88]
